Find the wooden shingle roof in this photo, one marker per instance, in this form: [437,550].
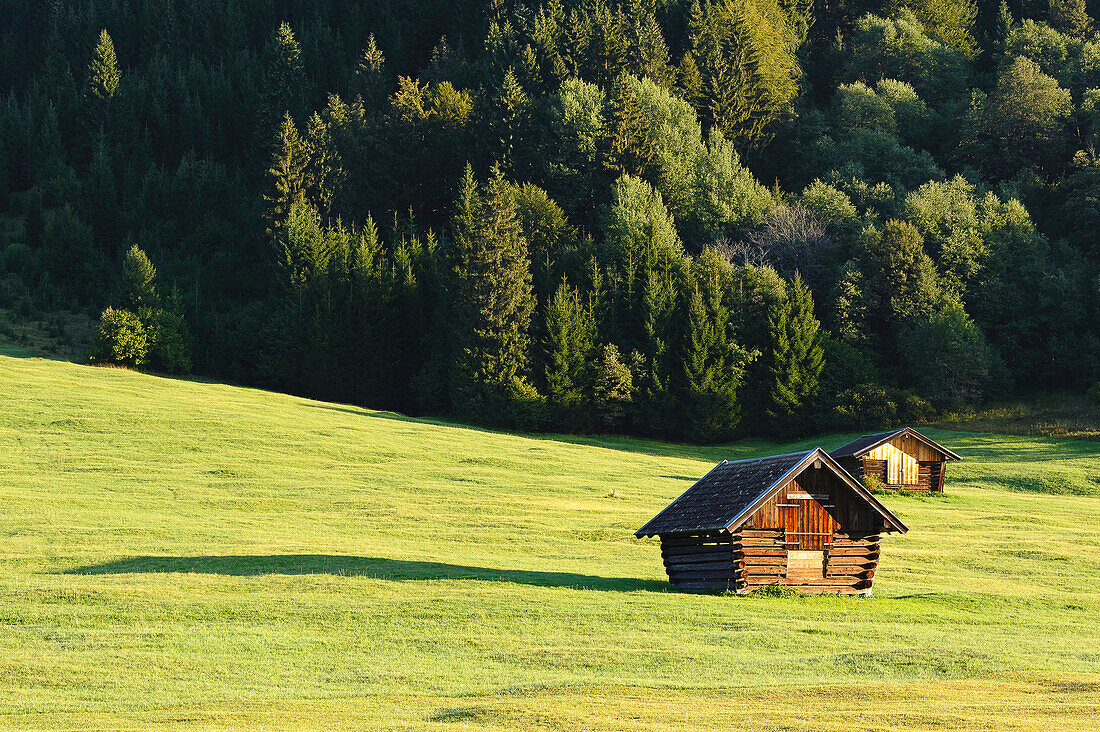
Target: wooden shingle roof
[727,495]
[866,443]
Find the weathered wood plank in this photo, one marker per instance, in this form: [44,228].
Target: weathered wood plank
[681,576]
[687,551]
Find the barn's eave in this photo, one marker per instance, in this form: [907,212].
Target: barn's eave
[676,518]
[865,443]
[715,521]
[818,454]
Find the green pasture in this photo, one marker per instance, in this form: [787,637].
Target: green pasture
[190,555]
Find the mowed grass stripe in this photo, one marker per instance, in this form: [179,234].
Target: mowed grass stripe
[173,545]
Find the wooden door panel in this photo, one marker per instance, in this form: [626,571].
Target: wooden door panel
[808,511]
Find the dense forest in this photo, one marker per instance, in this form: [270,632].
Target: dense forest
[669,217]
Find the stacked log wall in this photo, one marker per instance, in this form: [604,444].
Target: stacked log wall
[851,561]
[700,561]
[905,462]
[760,557]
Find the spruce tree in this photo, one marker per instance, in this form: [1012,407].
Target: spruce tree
[323,174]
[284,80]
[709,369]
[690,81]
[628,148]
[493,299]
[1004,22]
[612,387]
[796,358]
[570,333]
[139,279]
[746,53]
[370,71]
[103,73]
[287,176]
[1071,18]
[509,110]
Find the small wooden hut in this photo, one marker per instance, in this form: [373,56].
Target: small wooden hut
[903,459]
[797,519]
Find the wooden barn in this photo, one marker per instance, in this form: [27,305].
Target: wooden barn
[903,459]
[797,519]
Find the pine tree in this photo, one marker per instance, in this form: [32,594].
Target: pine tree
[370,70]
[746,53]
[709,370]
[509,110]
[606,46]
[570,334]
[284,80]
[612,386]
[103,73]
[1071,18]
[287,176]
[139,279]
[1003,25]
[493,298]
[324,173]
[690,81]
[647,50]
[628,147]
[796,358]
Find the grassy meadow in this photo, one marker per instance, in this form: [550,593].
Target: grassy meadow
[189,555]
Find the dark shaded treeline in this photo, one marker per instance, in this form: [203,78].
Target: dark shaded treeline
[665,217]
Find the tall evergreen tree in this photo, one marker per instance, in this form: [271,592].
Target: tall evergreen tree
[493,299]
[139,279]
[103,72]
[796,358]
[569,343]
[1002,27]
[629,149]
[284,84]
[710,370]
[612,387]
[370,72]
[509,111]
[287,176]
[323,174]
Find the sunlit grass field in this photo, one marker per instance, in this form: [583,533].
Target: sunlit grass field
[189,555]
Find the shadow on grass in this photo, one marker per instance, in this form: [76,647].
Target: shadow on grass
[399,570]
[971,446]
[707,453]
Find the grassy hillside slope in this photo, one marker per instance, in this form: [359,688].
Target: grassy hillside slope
[199,556]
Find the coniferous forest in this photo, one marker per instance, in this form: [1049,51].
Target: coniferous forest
[666,217]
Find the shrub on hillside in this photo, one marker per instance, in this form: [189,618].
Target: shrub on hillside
[948,359]
[873,483]
[169,341]
[122,339]
[872,405]
[1093,394]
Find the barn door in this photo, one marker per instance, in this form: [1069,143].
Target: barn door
[807,513]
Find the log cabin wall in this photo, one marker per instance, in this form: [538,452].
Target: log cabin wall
[811,506]
[902,461]
[815,534]
[760,557]
[847,566]
[700,561]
